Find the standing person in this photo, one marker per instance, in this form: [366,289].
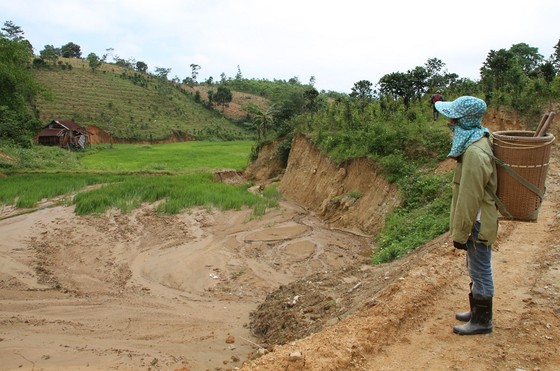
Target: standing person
[474,217]
[437,97]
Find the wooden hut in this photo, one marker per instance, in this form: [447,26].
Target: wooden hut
[63,133]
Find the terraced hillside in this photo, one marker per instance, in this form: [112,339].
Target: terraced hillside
[127,104]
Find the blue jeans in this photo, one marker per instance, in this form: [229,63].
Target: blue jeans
[479,265]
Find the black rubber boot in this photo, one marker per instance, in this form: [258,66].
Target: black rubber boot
[465,316]
[481,319]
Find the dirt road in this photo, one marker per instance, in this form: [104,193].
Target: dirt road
[407,325]
[149,292]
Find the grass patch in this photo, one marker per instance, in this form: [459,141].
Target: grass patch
[173,157]
[178,176]
[42,157]
[25,191]
[175,194]
[424,216]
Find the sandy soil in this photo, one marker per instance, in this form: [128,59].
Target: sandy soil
[143,291]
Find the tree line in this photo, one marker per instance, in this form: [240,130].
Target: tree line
[519,77]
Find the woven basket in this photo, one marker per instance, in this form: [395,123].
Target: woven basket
[528,156]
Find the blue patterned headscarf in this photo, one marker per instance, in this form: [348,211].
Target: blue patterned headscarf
[468,110]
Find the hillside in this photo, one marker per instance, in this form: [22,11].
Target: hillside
[130,105]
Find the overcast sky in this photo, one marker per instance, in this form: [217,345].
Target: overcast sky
[337,42]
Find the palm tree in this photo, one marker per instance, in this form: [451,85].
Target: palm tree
[261,118]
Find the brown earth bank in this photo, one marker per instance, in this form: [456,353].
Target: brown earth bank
[292,290]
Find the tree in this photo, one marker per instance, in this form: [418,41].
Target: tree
[223,96]
[161,73]
[528,57]
[17,127]
[362,90]
[50,53]
[555,57]
[310,97]
[94,61]
[162,85]
[12,32]
[261,118]
[397,85]
[194,72]
[71,50]
[435,70]
[239,75]
[548,71]
[494,69]
[294,81]
[141,67]
[129,63]
[17,87]
[419,80]
[312,81]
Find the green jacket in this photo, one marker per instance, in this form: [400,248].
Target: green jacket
[475,171]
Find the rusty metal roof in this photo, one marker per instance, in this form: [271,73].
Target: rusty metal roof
[57,128]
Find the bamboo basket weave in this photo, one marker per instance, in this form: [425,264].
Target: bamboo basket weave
[528,156]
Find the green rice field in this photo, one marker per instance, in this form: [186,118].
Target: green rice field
[178,176]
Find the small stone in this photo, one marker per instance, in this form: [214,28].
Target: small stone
[230,339]
[295,356]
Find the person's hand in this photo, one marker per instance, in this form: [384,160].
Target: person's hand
[459,245]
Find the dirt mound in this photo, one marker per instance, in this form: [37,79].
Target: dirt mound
[267,166]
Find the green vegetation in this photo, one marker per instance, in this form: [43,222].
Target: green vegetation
[389,122]
[408,152]
[186,183]
[173,157]
[175,193]
[42,158]
[418,221]
[129,105]
[26,190]
[17,88]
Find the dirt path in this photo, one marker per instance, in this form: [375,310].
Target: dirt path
[407,326]
[149,292]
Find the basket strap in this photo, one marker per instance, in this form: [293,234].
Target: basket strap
[516,176]
[499,203]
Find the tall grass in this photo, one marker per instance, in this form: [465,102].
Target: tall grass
[41,157]
[423,216]
[175,194]
[177,176]
[25,191]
